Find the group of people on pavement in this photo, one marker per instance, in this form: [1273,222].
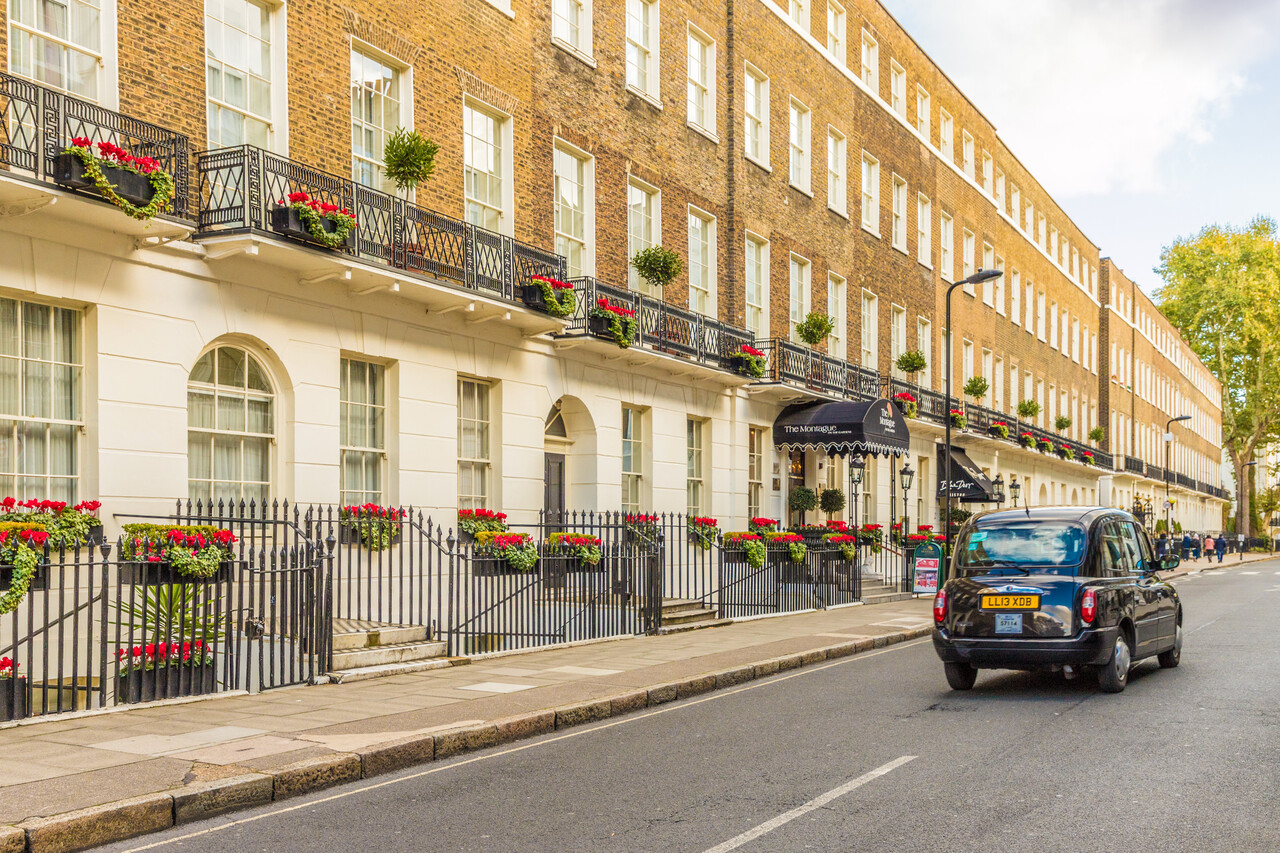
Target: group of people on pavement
[1192,545]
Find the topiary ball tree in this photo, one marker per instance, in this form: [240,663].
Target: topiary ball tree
[657,265]
[832,501]
[802,499]
[976,387]
[408,159]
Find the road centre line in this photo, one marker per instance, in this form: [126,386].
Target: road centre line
[630,718]
[816,803]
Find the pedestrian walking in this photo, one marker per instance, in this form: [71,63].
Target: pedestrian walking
[1220,546]
[1186,546]
[1195,546]
[1162,546]
[1208,547]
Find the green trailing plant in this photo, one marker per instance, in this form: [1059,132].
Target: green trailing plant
[1066,452]
[557,296]
[192,550]
[999,429]
[313,213]
[1062,423]
[958,420]
[977,387]
[802,499]
[1087,458]
[794,542]
[473,521]
[752,545]
[831,502]
[622,321]
[907,402]
[657,265]
[702,532]
[22,547]
[377,527]
[1045,445]
[847,544]
[161,182]
[749,361]
[586,549]
[516,548]
[1097,435]
[408,159]
[1028,409]
[814,328]
[1027,440]
[911,362]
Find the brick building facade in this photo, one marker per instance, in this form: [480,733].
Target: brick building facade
[809,158]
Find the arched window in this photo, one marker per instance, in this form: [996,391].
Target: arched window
[230,424]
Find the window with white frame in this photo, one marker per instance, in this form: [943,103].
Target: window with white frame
[1053,246]
[836,166]
[1041,317]
[571,24]
[1041,230]
[1065,333]
[230,427]
[1075,339]
[362,431]
[1027,224]
[1030,307]
[897,338]
[1015,298]
[799,11]
[835,30]
[924,343]
[870,193]
[988,286]
[946,248]
[375,114]
[968,259]
[966,362]
[837,342]
[755,471]
[1053,325]
[757,281]
[987,165]
[871,62]
[922,112]
[644,220]
[899,214]
[695,471]
[58,43]
[642,46]
[799,143]
[1093,353]
[1075,263]
[41,416]
[924,226]
[946,136]
[1015,205]
[966,152]
[575,208]
[999,192]
[999,284]
[702,80]
[238,70]
[632,458]
[475,428]
[897,88]
[486,167]
[870,328]
[702,262]
[997,385]
[756,115]
[987,367]
[799,296]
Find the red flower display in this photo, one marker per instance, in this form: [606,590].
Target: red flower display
[553,283]
[604,305]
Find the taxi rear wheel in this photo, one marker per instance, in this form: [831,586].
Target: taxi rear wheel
[960,675]
[1113,676]
[1173,656]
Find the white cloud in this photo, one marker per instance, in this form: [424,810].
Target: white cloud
[1091,94]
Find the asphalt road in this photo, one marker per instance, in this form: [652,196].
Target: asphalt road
[871,753]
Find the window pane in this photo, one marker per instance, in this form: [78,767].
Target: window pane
[62,449]
[231,367]
[199,456]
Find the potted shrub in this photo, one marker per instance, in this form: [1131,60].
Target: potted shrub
[1027,440]
[551,295]
[136,185]
[1087,457]
[164,671]
[472,521]
[313,221]
[958,420]
[67,526]
[802,499]
[1045,445]
[911,362]
[408,159]
[640,529]
[999,429]
[831,502]
[13,692]
[22,558]
[745,547]
[657,265]
[375,527]
[1066,452]
[702,532]
[1097,435]
[762,525]
[1028,409]
[613,322]
[494,551]
[749,361]
[1062,423]
[977,388]
[907,404]
[814,328]
[175,554]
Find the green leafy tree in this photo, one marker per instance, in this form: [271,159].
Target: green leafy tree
[832,501]
[976,387]
[657,265]
[802,499]
[408,159]
[1222,292]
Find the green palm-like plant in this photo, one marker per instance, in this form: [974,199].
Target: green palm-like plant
[169,612]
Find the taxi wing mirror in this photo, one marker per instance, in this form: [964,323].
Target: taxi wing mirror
[1170,562]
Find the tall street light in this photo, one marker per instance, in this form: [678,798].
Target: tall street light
[977,278]
[1168,443]
[1014,488]
[855,480]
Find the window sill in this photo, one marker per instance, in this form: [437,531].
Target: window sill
[800,189]
[843,214]
[651,100]
[925,264]
[584,58]
[875,232]
[761,164]
[699,129]
[902,248]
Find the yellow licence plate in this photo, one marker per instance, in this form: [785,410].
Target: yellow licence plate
[1010,602]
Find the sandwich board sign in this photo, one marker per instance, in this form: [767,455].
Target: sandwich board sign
[926,568]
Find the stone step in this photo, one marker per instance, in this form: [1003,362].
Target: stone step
[381,655]
[685,617]
[885,597]
[383,635]
[345,676]
[693,626]
[683,609]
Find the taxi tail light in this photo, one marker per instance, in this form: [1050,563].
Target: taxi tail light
[1088,606]
[940,607]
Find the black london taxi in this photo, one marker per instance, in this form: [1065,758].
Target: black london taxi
[1055,588]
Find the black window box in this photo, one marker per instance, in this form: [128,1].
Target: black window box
[39,581]
[166,682]
[531,296]
[286,221]
[68,171]
[599,326]
[141,573]
[13,698]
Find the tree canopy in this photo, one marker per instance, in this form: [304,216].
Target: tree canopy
[1222,291]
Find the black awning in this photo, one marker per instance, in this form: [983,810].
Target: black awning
[845,427]
[968,483]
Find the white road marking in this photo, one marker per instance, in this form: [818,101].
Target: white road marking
[816,803]
[1248,573]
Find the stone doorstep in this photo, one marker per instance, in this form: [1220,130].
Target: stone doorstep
[118,821]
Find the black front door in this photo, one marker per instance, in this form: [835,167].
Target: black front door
[553,486]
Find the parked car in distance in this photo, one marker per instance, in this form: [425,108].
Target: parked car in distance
[1058,589]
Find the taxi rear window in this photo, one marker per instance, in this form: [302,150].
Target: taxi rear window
[1045,547]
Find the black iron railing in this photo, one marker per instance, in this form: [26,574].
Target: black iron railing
[239,187]
[36,123]
[661,326]
[816,371]
[1134,465]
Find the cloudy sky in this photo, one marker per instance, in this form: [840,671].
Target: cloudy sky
[1145,119]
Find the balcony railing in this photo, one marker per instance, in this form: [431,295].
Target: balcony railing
[662,327]
[819,372]
[36,123]
[240,186]
[1134,465]
[1184,481]
[1155,472]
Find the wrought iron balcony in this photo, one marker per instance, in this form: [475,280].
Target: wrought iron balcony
[240,187]
[660,326]
[819,372]
[1184,481]
[1155,472]
[36,123]
[1134,465]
